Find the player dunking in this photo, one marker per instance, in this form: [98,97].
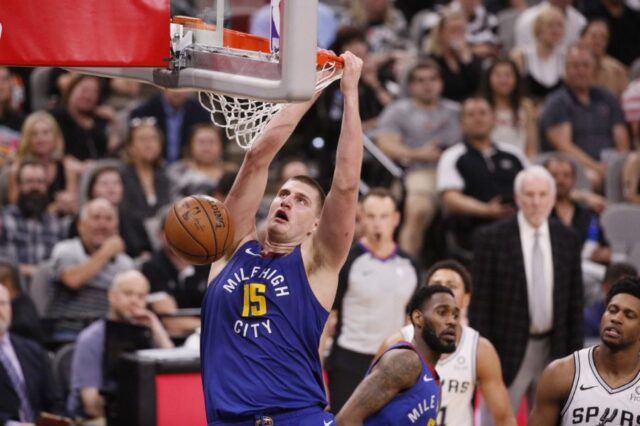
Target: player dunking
[265,309]
[600,385]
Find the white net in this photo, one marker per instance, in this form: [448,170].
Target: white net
[244,119]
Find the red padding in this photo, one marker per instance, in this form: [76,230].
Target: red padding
[84,33]
[179,400]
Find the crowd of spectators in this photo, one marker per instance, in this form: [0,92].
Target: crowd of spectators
[461,95]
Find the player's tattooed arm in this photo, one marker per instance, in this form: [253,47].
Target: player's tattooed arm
[397,370]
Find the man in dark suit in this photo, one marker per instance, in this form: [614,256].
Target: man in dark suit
[27,387]
[175,114]
[527,286]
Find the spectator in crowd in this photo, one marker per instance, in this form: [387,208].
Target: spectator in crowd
[9,115]
[593,312]
[573,22]
[631,170]
[27,385]
[126,304]
[175,114]
[584,221]
[631,107]
[202,165]
[475,177]
[103,180]
[482,27]
[373,96]
[384,25]
[372,92]
[27,231]
[83,121]
[460,69]
[569,207]
[42,141]
[146,184]
[414,131]
[631,177]
[474,364]
[582,120]
[541,63]
[175,284]
[609,72]
[515,115]
[24,318]
[83,268]
[374,287]
[527,286]
[623,23]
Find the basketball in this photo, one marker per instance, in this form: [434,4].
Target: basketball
[199,229]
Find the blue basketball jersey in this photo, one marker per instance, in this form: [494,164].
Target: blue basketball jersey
[415,406]
[261,326]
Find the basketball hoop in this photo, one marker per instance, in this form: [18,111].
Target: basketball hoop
[243,117]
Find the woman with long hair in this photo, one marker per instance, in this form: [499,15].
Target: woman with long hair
[42,141]
[146,185]
[515,114]
[459,68]
[202,165]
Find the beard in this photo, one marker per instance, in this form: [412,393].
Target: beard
[33,204]
[435,343]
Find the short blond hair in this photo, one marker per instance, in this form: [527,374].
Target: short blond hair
[547,13]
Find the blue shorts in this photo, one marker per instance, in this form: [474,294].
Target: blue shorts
[313,416]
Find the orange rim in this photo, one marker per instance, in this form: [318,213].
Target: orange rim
[244,41]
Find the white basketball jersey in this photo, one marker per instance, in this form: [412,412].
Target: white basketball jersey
[593,403]
[457,379]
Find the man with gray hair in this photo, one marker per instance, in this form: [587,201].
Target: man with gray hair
[84,267]
[528,286]
[127,301]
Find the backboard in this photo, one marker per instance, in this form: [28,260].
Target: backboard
[280,67]
[136,39]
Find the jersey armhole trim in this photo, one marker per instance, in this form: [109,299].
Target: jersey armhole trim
[574,384]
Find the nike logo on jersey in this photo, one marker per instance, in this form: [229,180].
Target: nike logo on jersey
[327,423]
[427,379]
[582,387]
[251,253]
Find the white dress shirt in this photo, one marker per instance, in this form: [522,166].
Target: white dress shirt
[527,233]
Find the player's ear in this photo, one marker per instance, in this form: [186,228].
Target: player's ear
[417,318]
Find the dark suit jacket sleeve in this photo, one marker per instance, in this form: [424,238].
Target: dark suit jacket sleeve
[44,392]
[483,273]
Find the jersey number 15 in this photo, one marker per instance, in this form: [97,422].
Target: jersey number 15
[255,302]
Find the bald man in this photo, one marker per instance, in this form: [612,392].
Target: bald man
[126,304]
[83,269]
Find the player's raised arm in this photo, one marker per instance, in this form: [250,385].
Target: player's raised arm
[248,189]
[337,222]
